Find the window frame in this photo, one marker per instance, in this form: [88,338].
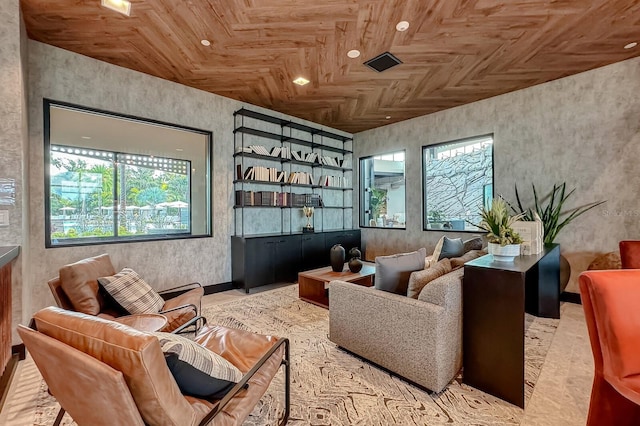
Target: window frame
[89,241]
[423,183]
[361,190]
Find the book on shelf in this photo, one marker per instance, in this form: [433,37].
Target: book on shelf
[275,152]
[333,181]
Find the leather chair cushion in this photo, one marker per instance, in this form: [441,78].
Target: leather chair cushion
[191,297]
[79,281]
[243,349]
[135,353]
[177,318]
[77,379]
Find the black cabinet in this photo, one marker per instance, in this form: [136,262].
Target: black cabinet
[348,239]
[257,261]
[313,251]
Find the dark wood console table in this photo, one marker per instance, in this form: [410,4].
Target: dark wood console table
[496,296]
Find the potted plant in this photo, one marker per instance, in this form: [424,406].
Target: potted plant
[554,218]
[436,219]
[504,242]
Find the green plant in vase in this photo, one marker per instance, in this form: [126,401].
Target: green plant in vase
[504,242]
[498,223]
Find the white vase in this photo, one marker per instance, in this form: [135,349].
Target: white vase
[504,253]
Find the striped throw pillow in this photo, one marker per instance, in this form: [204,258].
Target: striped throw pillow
[197,370]
[132,292]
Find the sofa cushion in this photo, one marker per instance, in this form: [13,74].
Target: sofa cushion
[437,290]
[79,282]
[458,262]
[451,247]
[419,279]
[435,256]
[472,244]
[132,292]
[198,371]
[392,272]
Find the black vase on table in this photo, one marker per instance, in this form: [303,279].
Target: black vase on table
[355,253]
[336,257]
[355,265]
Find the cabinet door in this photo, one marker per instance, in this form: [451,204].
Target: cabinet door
[259,264]
[287,256]
[314,254]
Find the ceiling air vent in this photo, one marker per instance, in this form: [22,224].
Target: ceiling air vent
[383,62]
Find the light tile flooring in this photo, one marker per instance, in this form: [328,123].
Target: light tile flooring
[560,397]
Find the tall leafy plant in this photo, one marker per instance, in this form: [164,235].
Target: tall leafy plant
[553,217]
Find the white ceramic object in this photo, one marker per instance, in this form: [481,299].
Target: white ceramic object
[504,253]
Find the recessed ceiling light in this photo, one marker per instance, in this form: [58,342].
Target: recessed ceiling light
[353,53]
[300,81]
[631,45]
[85,137]
[179,149]
[121,6]
[205,42]
[388,117]
[402,26]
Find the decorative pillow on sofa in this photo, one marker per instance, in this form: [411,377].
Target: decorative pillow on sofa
[472,244]
[197,371]
[434,258]
[132,292]
[419,279]
[392,272]
[451,247]
[457,262]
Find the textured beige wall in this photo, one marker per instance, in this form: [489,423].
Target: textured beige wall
[65,76]
[13,142]
[583,129]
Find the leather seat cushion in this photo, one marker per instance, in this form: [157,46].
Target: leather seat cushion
[243,349]
[79,281]
[179,317]
[191,297]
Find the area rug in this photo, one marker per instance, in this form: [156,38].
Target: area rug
[332,387]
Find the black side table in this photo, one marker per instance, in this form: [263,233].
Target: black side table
[495,298]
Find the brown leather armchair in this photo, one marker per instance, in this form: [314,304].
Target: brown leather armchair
[105,373]
[77,289]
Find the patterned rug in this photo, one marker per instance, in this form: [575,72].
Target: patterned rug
[332,387]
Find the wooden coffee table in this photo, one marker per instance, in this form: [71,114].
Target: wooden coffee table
[312,285]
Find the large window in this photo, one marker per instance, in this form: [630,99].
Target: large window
[457,182]
[114,178]
[382,191]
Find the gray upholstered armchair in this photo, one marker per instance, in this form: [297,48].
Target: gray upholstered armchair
[420,340]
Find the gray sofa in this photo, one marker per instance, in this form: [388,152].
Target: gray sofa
[419,340]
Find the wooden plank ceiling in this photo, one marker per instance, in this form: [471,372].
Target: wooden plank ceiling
[454,52]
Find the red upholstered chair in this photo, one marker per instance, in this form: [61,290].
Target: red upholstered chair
[630,254]
[611,302]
